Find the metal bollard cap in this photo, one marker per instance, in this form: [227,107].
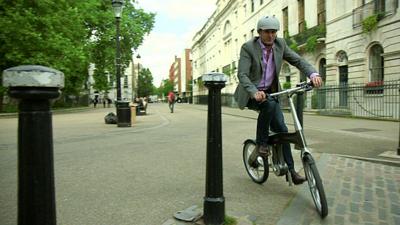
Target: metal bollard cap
[214,77]
[32,76]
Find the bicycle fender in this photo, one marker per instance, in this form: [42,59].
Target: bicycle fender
[307,157]
[249,141]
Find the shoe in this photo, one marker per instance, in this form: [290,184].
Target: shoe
[297,178]
[263,150]
[253,159]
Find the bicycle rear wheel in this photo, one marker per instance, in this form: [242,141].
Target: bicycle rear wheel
[257,170]
[315,185]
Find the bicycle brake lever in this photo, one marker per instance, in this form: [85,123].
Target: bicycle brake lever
[309,86]
[301,84]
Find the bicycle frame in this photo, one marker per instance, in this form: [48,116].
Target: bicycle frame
[258,167]
[297,137]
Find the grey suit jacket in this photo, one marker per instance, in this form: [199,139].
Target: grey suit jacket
[250,67]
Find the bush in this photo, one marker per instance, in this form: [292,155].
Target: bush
[287,85]
[230,221]
[10,108]
[311,43]
[370,23]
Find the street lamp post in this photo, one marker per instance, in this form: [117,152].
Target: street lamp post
[123,110]
[138,70]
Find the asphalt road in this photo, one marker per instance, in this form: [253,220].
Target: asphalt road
[144,174]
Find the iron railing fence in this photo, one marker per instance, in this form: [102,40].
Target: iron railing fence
[374,99]
[379,100]
[10,105]
[226,100]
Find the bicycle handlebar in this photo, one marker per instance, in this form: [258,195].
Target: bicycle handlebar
[300,87]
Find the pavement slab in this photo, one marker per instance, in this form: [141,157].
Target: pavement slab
[358,192]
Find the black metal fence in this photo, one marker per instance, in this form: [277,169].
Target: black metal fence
[11,105]
[379,100]
[373,100]
[226,100]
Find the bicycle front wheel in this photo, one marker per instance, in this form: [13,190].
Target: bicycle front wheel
[315,185]
[258,169]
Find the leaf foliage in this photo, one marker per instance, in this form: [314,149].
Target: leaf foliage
[68,35]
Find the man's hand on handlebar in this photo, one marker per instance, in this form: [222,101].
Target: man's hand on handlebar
[317,81]
[260,96]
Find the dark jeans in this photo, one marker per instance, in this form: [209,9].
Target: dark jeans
[171,106]
[271,117]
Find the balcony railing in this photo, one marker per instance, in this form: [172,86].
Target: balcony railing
[379,7]
[318,31]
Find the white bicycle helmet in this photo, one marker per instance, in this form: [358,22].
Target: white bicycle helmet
[268,23]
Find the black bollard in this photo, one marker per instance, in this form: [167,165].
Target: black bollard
[34,86]
[214,201]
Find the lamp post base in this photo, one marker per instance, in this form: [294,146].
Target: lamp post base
[123,114]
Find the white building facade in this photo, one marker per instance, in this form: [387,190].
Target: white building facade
[346,41]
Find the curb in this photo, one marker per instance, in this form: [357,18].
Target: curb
[53,111]
[373,160]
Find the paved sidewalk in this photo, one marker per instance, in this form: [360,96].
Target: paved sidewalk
[358,192]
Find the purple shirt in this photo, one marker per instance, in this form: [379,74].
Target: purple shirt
[268,64]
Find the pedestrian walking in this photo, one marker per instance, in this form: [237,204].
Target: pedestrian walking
[171,101]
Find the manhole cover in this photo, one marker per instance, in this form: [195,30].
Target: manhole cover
[360,130]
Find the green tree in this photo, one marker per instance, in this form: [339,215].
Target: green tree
[68,35]
[166,87]
[134,25]
[145,83]
[47,33]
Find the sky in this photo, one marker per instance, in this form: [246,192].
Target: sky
[176,23]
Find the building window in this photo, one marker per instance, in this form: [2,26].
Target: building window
[285,22]
[227,29]
[302,23]
[321,12]
[252,5]
[380,6]
[252,33]
[261,2]
[376,67]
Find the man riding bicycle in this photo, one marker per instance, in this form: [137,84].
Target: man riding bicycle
[260,63]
